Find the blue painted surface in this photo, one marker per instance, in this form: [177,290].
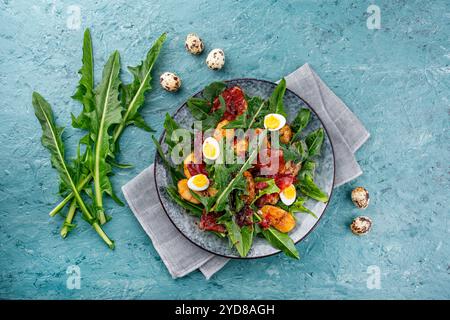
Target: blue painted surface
[395,79]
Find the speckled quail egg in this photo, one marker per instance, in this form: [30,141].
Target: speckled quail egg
[215,59]
[199,182]
[360,197]
[194,44]
[274,121]
[170,81]
[361,225]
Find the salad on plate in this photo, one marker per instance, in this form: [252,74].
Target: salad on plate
[242,168]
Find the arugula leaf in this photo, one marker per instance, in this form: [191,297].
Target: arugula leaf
[199,108]
[85,89]
[175,174]
[133,94]
[51,139]
[212,119]
[108,111]
[213,90]
[238,180]
[247,239]
[281,241]
[132,99]
[239,203]
[170,125]
[308,168]
[239,123]
[271,187]
[85,95]
[276,99]
[241,238]
[300,122]
[314,142]
[80,174]
[207,202]
[221,175]
[255,109]
[297,151]
[194,209]
[309,188]
[298,206]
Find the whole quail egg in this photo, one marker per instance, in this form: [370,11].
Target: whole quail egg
[194,44]
[215,59]
[360,197]
[361,225]
[170,81]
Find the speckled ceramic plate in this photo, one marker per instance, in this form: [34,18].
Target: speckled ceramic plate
[324,177]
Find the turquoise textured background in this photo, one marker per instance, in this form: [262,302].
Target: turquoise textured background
[395,79]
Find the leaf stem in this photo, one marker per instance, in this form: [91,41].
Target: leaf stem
[256,115]
[118,130]
[69,219]
[69,197]
[103,235]
[54,144]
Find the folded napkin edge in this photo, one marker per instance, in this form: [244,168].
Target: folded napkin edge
[164,257]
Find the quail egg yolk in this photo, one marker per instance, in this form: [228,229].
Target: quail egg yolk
[272,122]
[289,192]
[288,195]
[199,182]
[209,150]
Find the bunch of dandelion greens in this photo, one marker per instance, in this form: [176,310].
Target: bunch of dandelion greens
[108,109]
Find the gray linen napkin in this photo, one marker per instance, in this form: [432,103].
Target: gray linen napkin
[179,255]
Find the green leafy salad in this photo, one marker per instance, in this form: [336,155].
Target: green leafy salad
[241,168]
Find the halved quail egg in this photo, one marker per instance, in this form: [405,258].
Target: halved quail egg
[211,148]
[199,182]
[288,195]
[274,121]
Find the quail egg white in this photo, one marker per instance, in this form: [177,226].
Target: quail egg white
[288,195]
[215,59]
[274,121]
[199,182]
[211,148]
